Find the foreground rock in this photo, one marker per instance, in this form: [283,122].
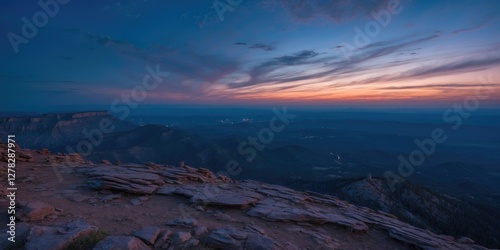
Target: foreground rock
[121,243]
[138,179]
[148,234]
[186,208]
[185,222]
[231,238]
[58,237]
[226,238]
[35,210]
[267,202]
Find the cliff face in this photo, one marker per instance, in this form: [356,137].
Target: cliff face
[54,131]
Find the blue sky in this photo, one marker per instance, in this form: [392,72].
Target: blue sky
[263,52]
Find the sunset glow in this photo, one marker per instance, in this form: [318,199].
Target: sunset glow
[261,53]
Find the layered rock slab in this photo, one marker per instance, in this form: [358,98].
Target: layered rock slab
[264,201]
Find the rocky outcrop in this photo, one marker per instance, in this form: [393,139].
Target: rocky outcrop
[138,179]
[66,159]
[131,180]
[259,200]
[186,208]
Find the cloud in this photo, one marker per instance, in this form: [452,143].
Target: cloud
[297,58]
[258,73]
[371,58]
[428,71]
[487,19]
[442,85]
[336,66]
[189,68]
[265,47]
[477,27]
[466,65]
[262,46]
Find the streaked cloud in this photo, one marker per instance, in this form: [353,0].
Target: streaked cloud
[263,52]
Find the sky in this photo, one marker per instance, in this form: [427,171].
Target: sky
[241,52]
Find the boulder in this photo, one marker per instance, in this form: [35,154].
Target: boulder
[226,238]
[181,237]
[147,234]
[121,243]
[35,210]
[163,239]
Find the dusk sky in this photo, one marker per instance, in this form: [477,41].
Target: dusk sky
[262,52]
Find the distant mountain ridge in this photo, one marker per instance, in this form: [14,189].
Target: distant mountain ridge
[55,131]
[127,142]
[71,115]
[156,143]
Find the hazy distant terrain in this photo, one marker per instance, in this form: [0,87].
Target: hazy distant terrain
[349,144]
[319,145]
[327,152]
